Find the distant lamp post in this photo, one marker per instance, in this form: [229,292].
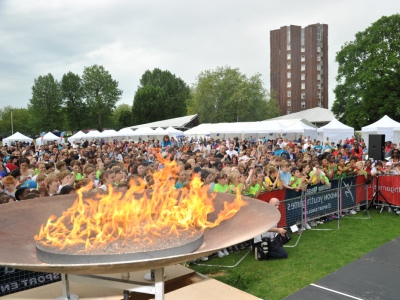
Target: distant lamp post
[12,125]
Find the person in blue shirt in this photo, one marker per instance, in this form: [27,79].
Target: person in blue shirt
[278,151]
[318,147]
[165,142]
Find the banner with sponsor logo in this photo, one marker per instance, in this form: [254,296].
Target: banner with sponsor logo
[318,200]
[321,200]
[389,187]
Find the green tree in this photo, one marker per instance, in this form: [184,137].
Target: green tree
[146,106]
[20,119]
[122,116]
[173,103]
[75,108]
[102,94]
[226,95]
[368,80]
[45,104]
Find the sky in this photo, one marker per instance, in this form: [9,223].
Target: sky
[128,37]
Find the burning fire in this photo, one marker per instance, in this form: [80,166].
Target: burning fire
[136,216]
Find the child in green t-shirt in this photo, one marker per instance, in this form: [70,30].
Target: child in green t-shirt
[222,184]
[298,181]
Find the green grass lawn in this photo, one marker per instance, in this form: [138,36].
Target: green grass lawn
[318,254]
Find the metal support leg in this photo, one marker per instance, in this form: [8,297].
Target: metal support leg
[65,289]
[159,283]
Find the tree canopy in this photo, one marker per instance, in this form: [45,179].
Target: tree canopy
[75,107]
[368,80]
[45,104]
[102,94]
[226,95]
[20,121]
[122,116]
[161,95]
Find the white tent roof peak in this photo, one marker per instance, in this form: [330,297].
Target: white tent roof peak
[335,124]
[108,133]
[384,122]
[125,132]
[144,131]
[299,125]
[159,130]
[93,134]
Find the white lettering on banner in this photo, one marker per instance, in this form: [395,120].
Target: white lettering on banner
[24,283]
[389,189]
[293,205]
[322,198]
[311,191]
[316,189]
[323,188]
[319,208]
[4,288]
[8,270]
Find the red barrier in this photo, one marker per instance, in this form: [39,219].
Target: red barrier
[389,188]
[361,195]
[281,195]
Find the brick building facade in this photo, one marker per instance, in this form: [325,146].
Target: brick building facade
[299,67]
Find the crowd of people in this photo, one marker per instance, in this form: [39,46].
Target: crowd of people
[251,166]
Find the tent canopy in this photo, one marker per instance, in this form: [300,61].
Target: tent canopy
[200,130]
[108,133]
[171,131]
[264,128]
[227,130]
[387,126]
[16,137]
[125,132]
[335,131]
[80,135]
[301,128]
[48,137]
[93,134]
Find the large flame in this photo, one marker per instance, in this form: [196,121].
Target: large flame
[136,215]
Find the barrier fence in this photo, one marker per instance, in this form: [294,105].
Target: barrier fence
[320,200]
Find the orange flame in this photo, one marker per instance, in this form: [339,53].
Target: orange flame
[135,215]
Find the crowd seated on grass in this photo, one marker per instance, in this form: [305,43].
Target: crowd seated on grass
[251,166]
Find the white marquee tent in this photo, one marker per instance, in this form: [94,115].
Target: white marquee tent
[125,133]
[268,129]
[335,131]
[145,133]
[300,128]
[387,126]
[171,131]
[201,130]
[16,137]
[93,135]
[77,137]
[108,134]
[160,132]
[227,130]
[48,137]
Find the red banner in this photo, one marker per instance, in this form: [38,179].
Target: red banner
[388,186]
[281,195]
